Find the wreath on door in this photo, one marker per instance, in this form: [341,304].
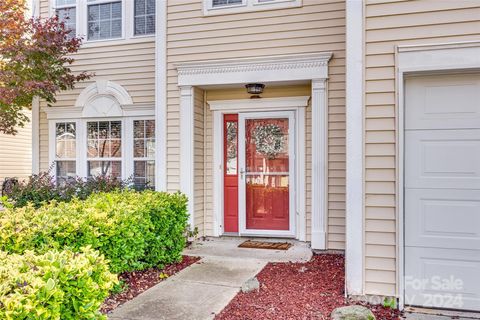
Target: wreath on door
[269,140]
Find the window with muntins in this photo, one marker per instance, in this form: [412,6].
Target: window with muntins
[66,10]
[144,154]
[104,20]
[222,3]
[65,151]
[104,148]
[144,17]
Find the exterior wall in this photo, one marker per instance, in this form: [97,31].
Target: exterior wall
[317,26]
[199,152]
[388,24]
[129,63]
[16,154]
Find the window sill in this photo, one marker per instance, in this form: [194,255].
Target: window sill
[251,6]
[117,42]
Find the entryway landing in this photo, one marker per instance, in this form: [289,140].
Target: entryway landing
[228,247]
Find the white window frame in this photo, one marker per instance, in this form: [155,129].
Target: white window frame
[53,149]
[54,9]
[132,5]
[133,146]
[84,4]
[248,5]
[82,159]
[128,33]
[84,142]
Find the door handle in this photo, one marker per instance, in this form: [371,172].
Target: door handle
[241,173]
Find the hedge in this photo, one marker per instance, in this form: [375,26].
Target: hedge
[133,230]
[54,285]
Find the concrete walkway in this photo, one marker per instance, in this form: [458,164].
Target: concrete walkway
[205,288]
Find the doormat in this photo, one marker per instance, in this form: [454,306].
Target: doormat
[265,245]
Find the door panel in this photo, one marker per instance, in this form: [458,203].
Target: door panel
[442,191]
[230,173]
[266,177]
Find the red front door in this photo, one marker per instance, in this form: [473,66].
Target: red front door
[267,178]
[230,172]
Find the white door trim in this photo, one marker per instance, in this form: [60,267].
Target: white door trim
[242,216]
[422,59]
[224,107]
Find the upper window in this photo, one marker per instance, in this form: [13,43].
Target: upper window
[222,3]
[212,7]
[104,19]
[144,17]
[66,10]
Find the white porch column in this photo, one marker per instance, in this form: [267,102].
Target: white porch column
[319,163]
[187,148]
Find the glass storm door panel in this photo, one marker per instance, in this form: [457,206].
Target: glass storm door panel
[230,173]
[266,172]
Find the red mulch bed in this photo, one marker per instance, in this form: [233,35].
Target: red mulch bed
[139,281]
[309,290]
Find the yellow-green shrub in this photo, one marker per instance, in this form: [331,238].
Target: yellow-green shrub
[134,230]
[54,285]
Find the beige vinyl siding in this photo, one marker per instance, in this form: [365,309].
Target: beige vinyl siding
[16,153]
[318,26]
[388,24]
[129,63]
[199,159]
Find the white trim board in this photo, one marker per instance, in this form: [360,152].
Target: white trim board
[221,107]
[161,95]
[354,255]
[454,57]
[310,67]
[262,69]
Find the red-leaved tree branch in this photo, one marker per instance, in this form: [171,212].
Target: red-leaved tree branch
[35,60]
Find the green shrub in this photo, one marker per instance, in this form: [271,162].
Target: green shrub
[134,230]
[41,188]
[54,285]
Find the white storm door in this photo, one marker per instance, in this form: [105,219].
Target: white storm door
[266,173]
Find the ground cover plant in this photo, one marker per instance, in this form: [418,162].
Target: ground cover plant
[310,290]
[54,285]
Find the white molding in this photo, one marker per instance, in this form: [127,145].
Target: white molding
[259,104]
[187,149]
[248,6]
[301,165]
[354,255]
[218,176]
[76,112]
[451,57]
[35,135]
[161,95]
[259,69]
[319,164]
[103,88]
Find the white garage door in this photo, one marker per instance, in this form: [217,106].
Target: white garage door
[442,191]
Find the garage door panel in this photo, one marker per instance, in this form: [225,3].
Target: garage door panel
[442,191]
[443,102]
[442,159]
[442,278]
[442,218]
